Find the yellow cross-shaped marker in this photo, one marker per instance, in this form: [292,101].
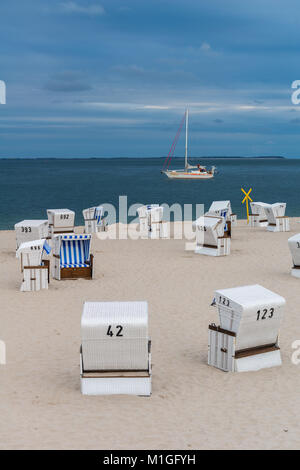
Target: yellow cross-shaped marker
[246,199]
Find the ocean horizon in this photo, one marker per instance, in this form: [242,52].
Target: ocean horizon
[30,186]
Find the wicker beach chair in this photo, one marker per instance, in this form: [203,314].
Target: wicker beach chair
[151,221]
[94,220]
[71,257]
[60,221]
[29,230]
[34,268]
[211,238]
[247,337]
[277,221]
[294,246]
[115,349]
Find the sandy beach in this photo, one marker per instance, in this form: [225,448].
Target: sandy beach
[193,406]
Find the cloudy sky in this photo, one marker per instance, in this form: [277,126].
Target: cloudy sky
[112,78]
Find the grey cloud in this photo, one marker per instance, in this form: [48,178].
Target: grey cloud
[67,82]
[74,7]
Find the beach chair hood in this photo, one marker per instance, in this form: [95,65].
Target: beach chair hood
[74,250]
[115,335]
[294,246]
[252,312]
[221,208]
[33,247]
[209,228]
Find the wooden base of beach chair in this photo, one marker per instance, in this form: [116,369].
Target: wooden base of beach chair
[115,382]
[222,353]
[223,248]
[254,221]
[78,273]
[282,225]
[35,278]
[227,233]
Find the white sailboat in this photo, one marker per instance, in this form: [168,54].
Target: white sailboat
[197,172]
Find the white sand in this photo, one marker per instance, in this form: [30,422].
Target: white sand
[193,406]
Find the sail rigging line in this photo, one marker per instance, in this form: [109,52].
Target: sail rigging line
[172,154]
[173,146]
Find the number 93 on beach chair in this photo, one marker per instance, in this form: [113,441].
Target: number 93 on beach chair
[247,337]
[211,238]
[71,257]
[35,270]
[115,349]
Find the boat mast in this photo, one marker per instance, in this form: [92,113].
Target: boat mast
[186,137]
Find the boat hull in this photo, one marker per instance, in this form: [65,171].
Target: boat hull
[188,176]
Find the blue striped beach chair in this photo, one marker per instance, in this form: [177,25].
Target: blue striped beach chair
[72,258]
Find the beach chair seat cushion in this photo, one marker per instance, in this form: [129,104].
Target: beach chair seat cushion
[75,265]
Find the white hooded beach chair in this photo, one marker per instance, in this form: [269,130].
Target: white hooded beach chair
[29,230]
[247,338]
[35,270]
[211,238]
[151,221]
[277,221]
[94,220]
[294,246]
[60,221]
[258,216]
[115,349]
[223,209]
[71,257]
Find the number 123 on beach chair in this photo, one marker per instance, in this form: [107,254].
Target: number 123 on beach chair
[71,257]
